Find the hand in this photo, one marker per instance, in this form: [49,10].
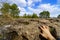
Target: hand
[46,33]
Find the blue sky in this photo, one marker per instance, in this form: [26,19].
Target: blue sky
[37,6]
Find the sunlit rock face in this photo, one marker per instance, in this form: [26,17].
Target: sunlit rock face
[27,29]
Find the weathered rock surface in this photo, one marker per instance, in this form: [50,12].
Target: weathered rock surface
[27,29]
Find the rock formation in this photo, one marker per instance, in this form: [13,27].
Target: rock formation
[27,29]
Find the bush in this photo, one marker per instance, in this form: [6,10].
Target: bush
[34,15]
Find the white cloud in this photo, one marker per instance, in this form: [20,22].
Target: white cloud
[37,0]
[21,3]
[31,2]
[53,9]
[22,10]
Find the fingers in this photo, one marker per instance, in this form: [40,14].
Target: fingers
[45,27]
[45,31]
[41,28]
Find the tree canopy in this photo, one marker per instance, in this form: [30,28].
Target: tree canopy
[5,8]
[12,10]
[58,16]
[44,14]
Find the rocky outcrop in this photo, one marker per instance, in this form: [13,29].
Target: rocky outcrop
[27,29]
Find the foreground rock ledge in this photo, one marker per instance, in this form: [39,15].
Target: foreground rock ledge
[27,29]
